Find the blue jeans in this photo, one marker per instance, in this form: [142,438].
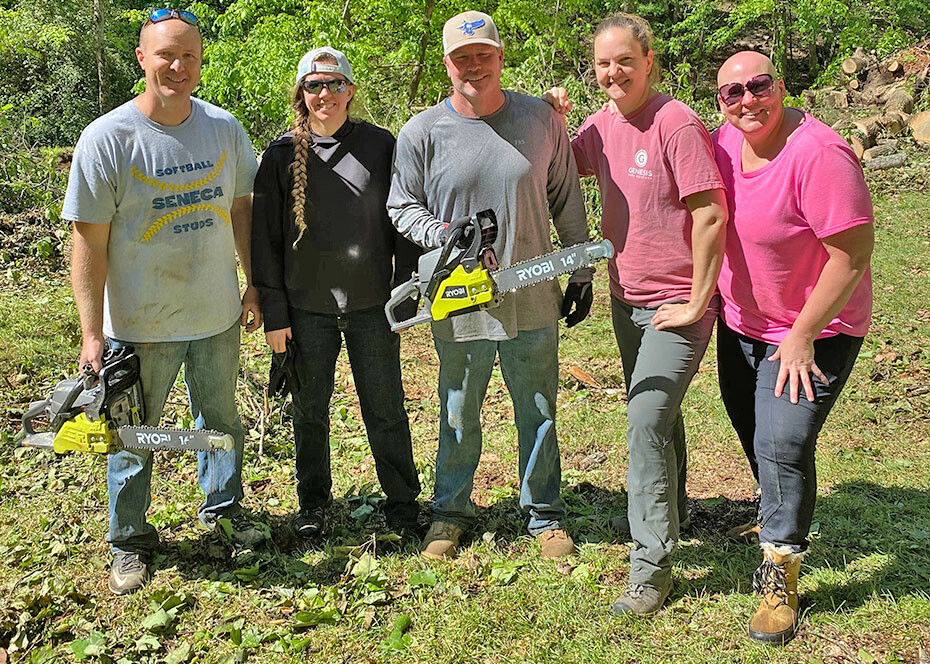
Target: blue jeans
[530,366]
[374,354]
[779,437]
[210,369]
[658,366]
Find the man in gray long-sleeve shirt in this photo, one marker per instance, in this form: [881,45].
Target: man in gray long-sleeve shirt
[488,148]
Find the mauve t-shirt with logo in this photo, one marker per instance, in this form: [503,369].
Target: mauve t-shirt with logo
[646,164]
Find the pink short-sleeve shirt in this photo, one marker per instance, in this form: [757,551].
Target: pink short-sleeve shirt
[646,164]
[814,188]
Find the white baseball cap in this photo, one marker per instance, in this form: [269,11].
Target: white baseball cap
[308,64]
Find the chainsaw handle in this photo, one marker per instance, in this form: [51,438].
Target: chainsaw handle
[36,408]
[65,411]
[406,291]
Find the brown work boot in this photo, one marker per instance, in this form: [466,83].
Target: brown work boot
[555,543]
[441,540]
[776,580]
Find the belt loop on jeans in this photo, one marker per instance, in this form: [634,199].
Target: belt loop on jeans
[342,322]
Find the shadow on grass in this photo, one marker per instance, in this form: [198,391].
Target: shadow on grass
[870,540]
[285,561]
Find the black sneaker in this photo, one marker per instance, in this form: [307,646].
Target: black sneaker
[240,530]
[310,524]
[128,573]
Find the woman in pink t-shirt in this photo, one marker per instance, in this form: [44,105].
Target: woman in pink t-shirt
[797,298]
[664,209]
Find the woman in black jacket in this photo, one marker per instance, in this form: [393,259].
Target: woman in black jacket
[324,257]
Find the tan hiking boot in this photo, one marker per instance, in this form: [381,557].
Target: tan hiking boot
[776,620]
[555,543]
[441,541]
[745,531]
[641,600]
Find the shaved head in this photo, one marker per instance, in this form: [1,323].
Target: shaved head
[173,27]
[743,66]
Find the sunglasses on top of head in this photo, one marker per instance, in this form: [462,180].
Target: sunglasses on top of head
[159,15]
[760,86]
[316,87]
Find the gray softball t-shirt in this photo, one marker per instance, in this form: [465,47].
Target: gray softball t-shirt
[167,193]
[517,162]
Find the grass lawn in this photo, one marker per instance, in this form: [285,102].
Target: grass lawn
[864,584]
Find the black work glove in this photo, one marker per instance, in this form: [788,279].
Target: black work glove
[462,223]
[283,375]
[582,296]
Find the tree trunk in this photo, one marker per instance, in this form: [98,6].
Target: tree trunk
[102,83]
[414,86]
[856,63]
[889,161]
[920,127]
[879,151]
[813,64]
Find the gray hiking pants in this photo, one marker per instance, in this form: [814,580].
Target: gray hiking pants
[658,367]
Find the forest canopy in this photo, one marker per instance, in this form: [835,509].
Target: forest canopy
[64,63]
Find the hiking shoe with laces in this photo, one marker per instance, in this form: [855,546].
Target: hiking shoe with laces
[555,543]
[641,600]
[310,524]
[242,531]
[441,541]
[128,573]
[776,619]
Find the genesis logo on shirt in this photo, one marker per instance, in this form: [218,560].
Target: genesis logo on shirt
[640,158]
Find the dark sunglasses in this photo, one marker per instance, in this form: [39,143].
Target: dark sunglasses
[760,86]
[159,15]
[316,87]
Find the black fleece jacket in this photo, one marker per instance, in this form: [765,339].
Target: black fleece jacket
[350,255]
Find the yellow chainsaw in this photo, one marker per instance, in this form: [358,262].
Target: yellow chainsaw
[452,280]
[104,414]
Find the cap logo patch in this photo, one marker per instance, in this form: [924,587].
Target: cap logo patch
[322,66]
[469,28]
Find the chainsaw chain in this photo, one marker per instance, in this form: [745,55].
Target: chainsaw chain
[533,260]
[145,427]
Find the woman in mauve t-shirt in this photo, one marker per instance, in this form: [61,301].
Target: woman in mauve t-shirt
[664,209]
[797,296]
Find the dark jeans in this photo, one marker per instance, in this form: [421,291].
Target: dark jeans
[779,437]
[374,354]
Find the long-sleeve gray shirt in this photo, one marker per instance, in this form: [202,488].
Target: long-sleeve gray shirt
[517,162]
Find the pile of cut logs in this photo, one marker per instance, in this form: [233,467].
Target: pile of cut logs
[884,84]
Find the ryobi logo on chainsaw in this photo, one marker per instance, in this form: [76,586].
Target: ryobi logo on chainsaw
[537,270]
[455,292]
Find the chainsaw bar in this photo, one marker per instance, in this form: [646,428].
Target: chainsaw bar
[155,438]
[543,268]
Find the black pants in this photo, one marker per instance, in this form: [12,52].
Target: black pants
[374,355]
[779,437]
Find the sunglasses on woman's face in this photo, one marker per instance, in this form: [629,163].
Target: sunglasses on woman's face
[760,86]
[159,15]
[316,87]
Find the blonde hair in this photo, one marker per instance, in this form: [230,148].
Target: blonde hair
[642,33]
[301,142]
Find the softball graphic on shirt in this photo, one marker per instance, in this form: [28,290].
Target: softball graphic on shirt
[180,200]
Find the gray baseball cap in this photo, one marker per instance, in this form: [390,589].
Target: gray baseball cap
[308,64]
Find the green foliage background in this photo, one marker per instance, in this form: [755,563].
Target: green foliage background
[49,79]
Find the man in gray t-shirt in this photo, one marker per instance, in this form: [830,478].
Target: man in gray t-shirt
[160,197]
[485,148]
